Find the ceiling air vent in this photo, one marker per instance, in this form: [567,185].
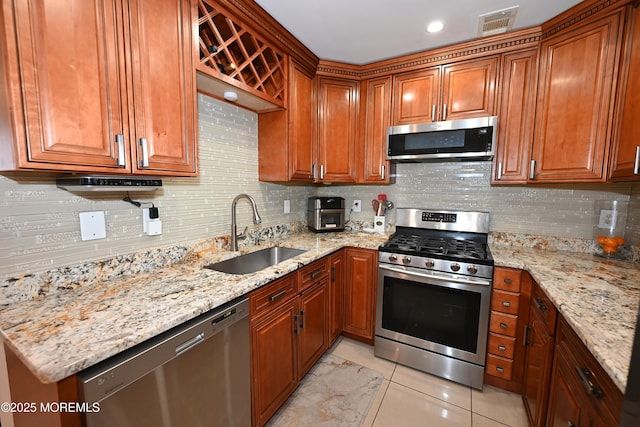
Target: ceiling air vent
[497,22]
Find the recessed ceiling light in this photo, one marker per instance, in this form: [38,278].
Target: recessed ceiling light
[435,26]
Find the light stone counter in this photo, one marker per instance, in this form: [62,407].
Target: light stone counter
[599,298]
[73,328]
[70,330]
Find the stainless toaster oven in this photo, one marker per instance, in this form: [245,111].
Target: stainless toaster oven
[325,214]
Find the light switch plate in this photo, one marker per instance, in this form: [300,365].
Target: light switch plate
[92,225]
[287,206]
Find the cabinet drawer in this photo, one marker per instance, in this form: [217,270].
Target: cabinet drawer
[313,273]
[542,306]
[507,279]
[499,367]
[505,302]
[501,345]
[271,296]
[503,324]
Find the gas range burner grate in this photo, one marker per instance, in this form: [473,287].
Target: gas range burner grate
[433,246]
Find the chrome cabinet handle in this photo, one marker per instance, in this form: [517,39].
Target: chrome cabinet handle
[586,379]
[433,113]
[636,165]
[499,177]
[500,369]
[383,169]
[502,347]
[504,325]
[508,281]
[277,295]
[321,171]
[313,171]
[532,169]
[121,161]
[506,304]
[144,163]
[444,112]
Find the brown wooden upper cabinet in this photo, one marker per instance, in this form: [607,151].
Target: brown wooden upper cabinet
[515,117]
[625,155]
[448,92]
[574,112]
[285,151]
[99,86]
[375,101]
[337,130]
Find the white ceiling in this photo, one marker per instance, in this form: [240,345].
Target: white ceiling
[365,31]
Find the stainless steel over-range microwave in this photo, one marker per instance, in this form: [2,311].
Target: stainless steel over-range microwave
[469,139]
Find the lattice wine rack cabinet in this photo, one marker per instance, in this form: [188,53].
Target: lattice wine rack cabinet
[231,52]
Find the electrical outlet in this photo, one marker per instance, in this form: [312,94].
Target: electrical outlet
[357,206]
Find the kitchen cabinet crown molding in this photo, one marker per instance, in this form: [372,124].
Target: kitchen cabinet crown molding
[579,13]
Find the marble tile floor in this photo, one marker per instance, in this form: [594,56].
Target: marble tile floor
[408,397]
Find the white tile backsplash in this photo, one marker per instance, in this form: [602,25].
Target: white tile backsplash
[40,229]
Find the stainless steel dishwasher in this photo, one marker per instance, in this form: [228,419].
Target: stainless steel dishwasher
[196,374]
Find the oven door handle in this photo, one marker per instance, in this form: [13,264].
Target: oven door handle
[415,272]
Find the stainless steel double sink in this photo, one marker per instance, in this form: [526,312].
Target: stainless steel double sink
[255,261]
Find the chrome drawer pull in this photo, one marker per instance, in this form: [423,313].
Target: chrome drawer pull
[506,304]
[316,273]
[500,369]
[502,348]
[504,325]
[508,281]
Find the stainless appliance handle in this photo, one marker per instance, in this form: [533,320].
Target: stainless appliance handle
[192,342]
[419,273]
[144,163]
[121,161]
[636,165]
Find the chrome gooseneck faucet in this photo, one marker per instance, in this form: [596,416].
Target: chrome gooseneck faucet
[234,226]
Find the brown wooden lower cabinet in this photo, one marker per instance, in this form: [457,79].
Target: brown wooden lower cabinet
[581,393]
[360,294]
[336,289]
[289,321]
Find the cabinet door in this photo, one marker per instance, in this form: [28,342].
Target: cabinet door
[336,286]
[337,129]
[163,87]
[300,138]
[468,89]
[377,118]
[626,146]
[574,110]
[313,326]
[415,97]
[538,359]
[273,360]
[515,118]
[359,293]
[564,401]
[68,87]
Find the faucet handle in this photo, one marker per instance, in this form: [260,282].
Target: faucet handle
[243,235]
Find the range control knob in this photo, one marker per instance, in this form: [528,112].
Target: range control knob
[472,269]
[455,266]
[406,260]
[393,257]
[429,263]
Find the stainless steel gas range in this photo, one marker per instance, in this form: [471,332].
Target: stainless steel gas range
[433,293]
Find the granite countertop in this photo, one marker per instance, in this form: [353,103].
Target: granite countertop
[598,297]
[66,332]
